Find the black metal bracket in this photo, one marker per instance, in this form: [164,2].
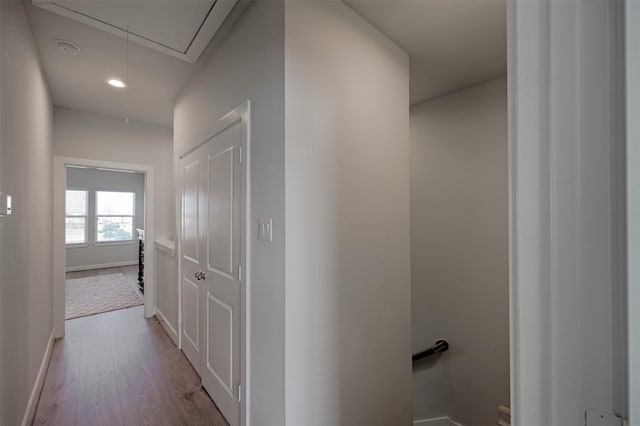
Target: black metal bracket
[439,347]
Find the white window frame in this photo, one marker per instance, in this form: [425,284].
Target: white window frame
[85,243]
[97,216]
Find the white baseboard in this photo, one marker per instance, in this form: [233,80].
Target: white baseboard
[438,421]
[100,266]
[173,335]
[37,386]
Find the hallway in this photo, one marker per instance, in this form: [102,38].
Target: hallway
[119,368]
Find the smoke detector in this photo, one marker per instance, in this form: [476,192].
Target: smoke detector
[67,47]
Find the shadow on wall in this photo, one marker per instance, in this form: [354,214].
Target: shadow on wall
[459,253]
[435,369]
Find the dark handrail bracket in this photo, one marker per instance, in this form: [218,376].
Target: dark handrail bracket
[439,347]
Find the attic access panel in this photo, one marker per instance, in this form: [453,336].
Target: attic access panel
[180,28]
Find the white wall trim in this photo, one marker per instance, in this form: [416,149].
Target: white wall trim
[528,154]
[59,249]
[437,421]
[101,266]
[564,208]
[632,28]
[166,246]
[30,412]
[166,325]
[177,178]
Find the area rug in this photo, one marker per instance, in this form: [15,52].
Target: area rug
[102,293]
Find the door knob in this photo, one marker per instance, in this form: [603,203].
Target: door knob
[200,275]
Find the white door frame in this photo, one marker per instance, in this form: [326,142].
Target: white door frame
[242,114]
[60,164]
[566,210]
[633,202]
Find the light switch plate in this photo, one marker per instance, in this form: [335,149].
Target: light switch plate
[5,204]
[265,229]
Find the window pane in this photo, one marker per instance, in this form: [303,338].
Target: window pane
[75,230]
[115,228]
[114,203]
[76,202]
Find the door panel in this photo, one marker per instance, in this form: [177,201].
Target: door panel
[222,247]
[190,263]
[191,302]
[220,238]
[190,212]
[220,331]
[212,249]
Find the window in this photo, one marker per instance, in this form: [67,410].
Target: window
[114,216]
[76,216]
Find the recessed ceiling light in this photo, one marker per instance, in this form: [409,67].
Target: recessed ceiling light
[67,47]
[116,83]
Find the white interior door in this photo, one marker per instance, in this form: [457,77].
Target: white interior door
[191,258]
[221,212]
[215,188]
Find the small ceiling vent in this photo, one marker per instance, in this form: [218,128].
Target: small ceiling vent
[182,29]
[67,47]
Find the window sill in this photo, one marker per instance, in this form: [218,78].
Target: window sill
[77,245]
[115,243]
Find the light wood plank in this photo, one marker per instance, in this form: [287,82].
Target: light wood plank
[119,368]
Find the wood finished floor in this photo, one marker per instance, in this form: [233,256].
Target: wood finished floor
[119,368]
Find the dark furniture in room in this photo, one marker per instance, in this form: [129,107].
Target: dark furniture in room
[141,259]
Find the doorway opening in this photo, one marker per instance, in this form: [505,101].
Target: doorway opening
[104,237]
[460,255]
[103,213]
[458,204]
[213,251]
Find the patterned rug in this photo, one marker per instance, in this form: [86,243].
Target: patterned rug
[102,293]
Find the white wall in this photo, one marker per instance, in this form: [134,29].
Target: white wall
[166,288]
[249,64]
[99,137]
[1,233]
[566,144]
[348,337]
[459,253]
[25,173]
[94,254]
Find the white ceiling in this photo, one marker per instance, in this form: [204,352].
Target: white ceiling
[454,44]
[78,82]
[181,28]
[173,24]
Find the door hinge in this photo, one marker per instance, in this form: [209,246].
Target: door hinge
[239,393]
[240,273]
[240,155]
